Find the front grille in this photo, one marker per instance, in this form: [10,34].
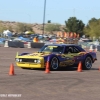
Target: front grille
[28,60]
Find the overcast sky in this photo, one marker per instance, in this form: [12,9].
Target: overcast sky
[31,11]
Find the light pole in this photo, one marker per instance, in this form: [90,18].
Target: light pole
[44,15]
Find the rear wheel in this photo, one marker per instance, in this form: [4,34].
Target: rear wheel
[54,63]
[87,63]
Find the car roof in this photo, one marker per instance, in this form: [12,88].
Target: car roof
[63,44]
[76,45]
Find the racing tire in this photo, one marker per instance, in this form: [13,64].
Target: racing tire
[54,63]
[87,64]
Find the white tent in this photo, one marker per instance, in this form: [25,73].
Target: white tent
[7,33]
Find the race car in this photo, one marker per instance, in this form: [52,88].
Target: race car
[58,55]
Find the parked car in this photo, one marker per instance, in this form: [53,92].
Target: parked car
[58,55]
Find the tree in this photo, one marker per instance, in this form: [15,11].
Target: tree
[93,27]
[10,28]
[92,20]
[2,28]
[74,25]
[52,27]
[49,21]
[21,27]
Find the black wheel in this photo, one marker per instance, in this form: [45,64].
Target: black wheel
[54,63]
[87,63]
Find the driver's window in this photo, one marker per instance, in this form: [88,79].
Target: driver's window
[75,50]
[68,50]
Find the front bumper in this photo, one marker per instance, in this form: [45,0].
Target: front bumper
[29,65]
[28,62]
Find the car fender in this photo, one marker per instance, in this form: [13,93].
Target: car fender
[51,56]
[88,54]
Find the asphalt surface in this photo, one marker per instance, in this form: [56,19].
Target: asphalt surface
[37,85]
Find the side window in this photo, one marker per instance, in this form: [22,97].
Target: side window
[75,50]
[68,49]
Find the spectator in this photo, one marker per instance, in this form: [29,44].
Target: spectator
[35,39]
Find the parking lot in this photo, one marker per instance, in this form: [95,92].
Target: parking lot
[36,85]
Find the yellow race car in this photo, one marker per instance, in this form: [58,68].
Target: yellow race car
[58,55]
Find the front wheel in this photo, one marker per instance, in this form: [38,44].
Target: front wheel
[54,63]
[87,63]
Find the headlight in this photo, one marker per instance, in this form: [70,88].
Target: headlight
[38,61]
[17,59]
[20,60]
[35,61]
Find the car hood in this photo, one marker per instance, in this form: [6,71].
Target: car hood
[34,55]
[40,54]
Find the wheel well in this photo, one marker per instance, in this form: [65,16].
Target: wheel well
[56,57]
[51,60]
[53,57]
[90,57]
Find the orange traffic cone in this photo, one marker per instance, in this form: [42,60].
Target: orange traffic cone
[11,71]
[79,67]
[47,70]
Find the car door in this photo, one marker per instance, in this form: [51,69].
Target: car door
[75,54]
[72,55]
[68,55]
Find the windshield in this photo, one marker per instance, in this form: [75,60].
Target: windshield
[56,49]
